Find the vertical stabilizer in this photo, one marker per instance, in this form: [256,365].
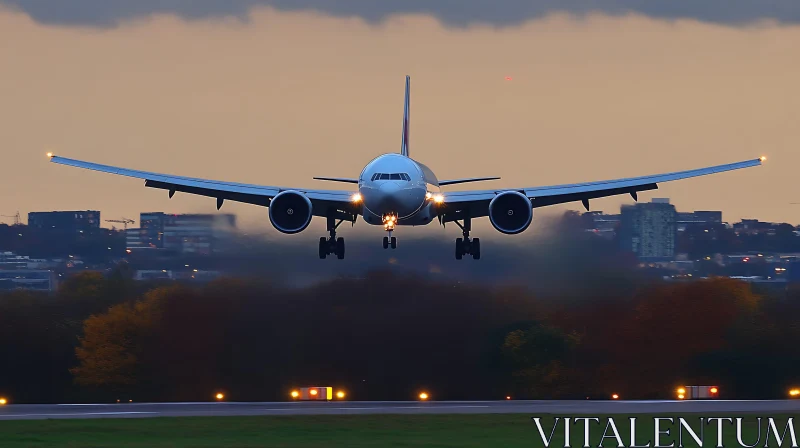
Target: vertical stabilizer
[406,111]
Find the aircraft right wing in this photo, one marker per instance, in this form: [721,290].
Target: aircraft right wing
[477,202]
[323,201]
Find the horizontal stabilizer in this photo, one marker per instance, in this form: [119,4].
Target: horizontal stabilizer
[338,179]
[463,181]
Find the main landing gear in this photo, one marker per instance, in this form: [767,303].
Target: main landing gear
[389,221]
[332,245]
[467,246]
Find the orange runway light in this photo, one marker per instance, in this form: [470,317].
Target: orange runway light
[615,397]
[340,394]
[423,396]
[3,402]
[219,397]
[295,394]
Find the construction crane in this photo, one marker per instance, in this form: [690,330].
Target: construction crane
[123,221]
[17,220]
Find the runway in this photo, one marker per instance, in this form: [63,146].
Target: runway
[144,410]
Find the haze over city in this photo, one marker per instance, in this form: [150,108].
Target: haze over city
[245,94]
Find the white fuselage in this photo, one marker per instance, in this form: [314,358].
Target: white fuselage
[396,185]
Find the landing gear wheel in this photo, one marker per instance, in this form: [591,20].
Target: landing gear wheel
[394,242]
[323,248]
[459,248]
[386,242]
[340,248]
[476,249]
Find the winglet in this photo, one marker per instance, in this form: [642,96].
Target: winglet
[406,111]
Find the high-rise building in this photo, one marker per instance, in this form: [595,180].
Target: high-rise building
[75,221]
[190,233]
[649,230]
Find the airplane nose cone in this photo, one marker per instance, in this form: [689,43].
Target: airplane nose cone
[389,188]
[390,197]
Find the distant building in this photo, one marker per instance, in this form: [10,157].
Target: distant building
[72,221]
[601,224]
[12,261]
[190,233]
[698,218]
[754,227]
[649,230]
[28,279]
[149,235]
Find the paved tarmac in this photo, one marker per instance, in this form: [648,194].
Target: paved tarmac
[139,410]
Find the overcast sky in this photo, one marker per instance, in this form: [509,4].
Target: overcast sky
[286,95]
[452,12]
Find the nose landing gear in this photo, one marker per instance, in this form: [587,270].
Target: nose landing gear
[389,222]
[389,242]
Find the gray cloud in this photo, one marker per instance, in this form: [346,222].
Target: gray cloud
[106,13]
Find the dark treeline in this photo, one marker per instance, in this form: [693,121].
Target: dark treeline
[389,335]
[563,314]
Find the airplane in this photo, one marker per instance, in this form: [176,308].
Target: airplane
[395,190]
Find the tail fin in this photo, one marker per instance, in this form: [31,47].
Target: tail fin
[406,111]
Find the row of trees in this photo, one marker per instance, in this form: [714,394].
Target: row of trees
[388,335]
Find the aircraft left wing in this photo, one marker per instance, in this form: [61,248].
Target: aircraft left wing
[323,201]
[477,202]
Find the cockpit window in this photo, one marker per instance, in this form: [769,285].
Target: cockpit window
[391,176]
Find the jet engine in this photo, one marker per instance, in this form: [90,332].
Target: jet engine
[511,212]
[290,212]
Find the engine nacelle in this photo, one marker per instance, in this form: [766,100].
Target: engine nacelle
[290,212]
[511,212]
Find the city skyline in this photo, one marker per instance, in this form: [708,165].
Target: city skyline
[591,97]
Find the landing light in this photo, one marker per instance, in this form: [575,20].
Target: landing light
[220,397]
[794,393]
[313,392]
[295,394]
[713,390]
[615,397]
[508,397]
[423,396]
[763,158]
[340,394]
[681,391]
[356,197]
[680,397]
[49,155]
[3,402]
[428,195]
[437,198]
